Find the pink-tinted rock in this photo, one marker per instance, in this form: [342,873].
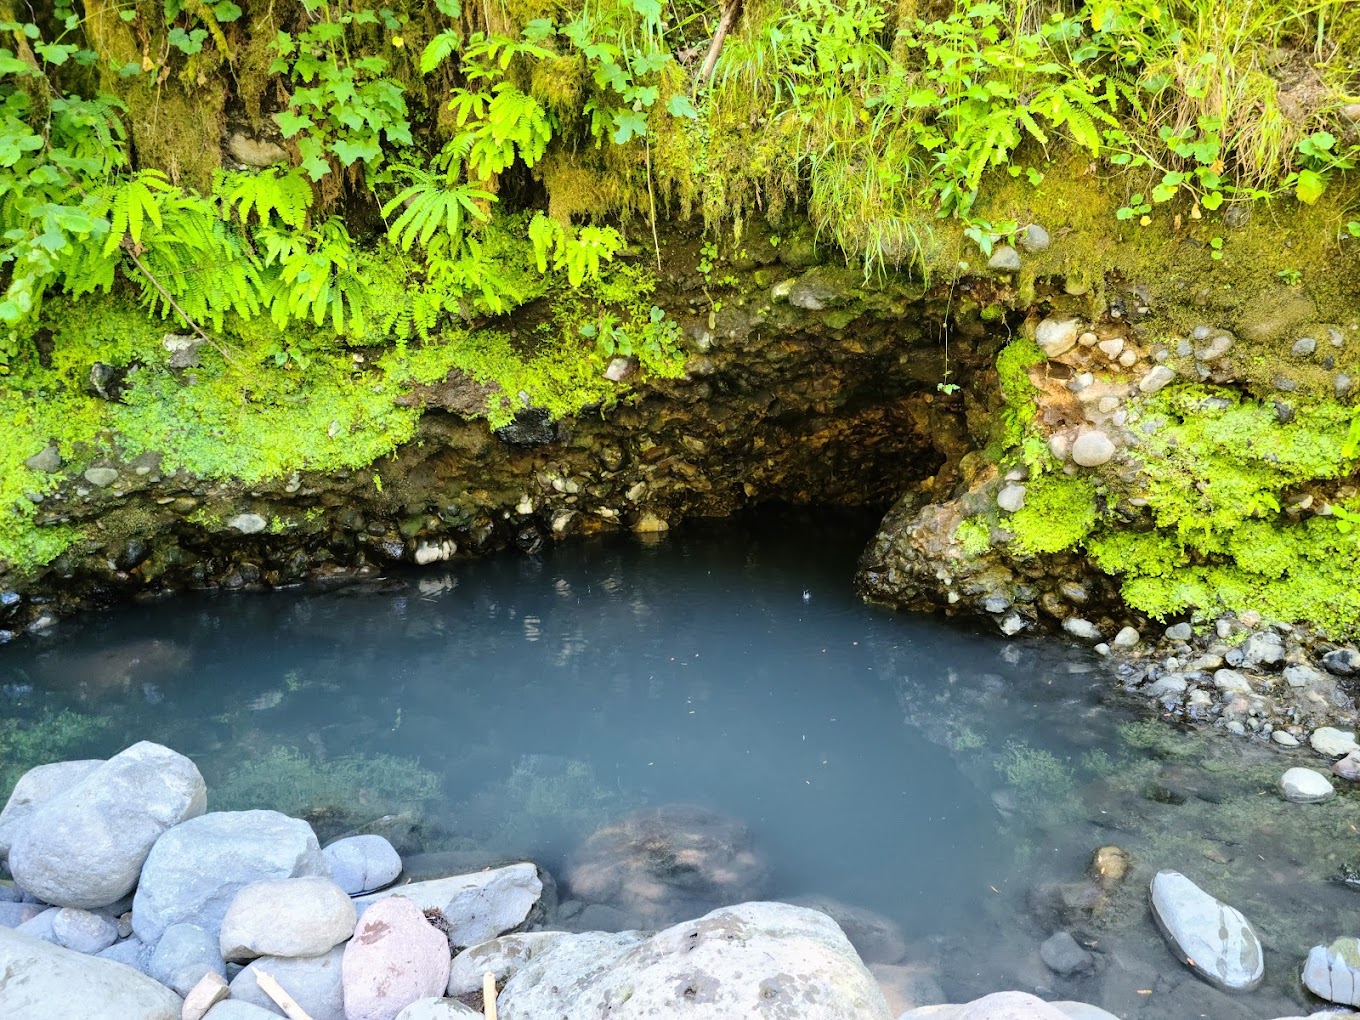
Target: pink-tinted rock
[395,958]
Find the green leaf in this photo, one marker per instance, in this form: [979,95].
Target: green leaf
[226,11]
[290,123]
[628,123]
[349,151]
[680,106]
[1211,200]
[1310,186]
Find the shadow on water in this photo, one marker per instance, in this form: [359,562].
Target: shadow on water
[953,783]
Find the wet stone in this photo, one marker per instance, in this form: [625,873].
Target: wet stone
[1126,638]
[1342,661]
[1062,955]
[1213,939]
[1083,630]
[1332,743]
[1333,972]
[1348,767]
[1306,786]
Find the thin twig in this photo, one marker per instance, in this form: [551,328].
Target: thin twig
[165,295]
[651,198]
[489,995]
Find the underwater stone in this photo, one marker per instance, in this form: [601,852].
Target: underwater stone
[1156,379]
[1213,939]
[1011,498]
[1304,347]
[1329,741]
[1348,767]
[1057,336]
[1004,260]
[1333,972]
[248,524]
[1093,449]
[1033,238]
[1062,955]
[1305,786]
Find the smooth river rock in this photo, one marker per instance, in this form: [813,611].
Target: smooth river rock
[1333,972]
[766,960]
[478,907]
[195,870]
[1334,743]
[362,864]
[1010,1006]
[40,981]
[83,930]
[287,917]
[314,981]
[1306,786]
[183,956]
[1092,449]
[1056,337]
[395,958]
[35,788]
[85,846]
[1213,939]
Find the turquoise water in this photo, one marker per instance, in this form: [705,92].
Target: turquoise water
[512,706]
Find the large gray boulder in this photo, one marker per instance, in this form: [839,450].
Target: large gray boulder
[754,960]
[1010,1006]
[477,907]
[286,917]
[1213,939]
[40,981]
[195,870]
[34,789]
[314,981]
[85,846]
[395,958]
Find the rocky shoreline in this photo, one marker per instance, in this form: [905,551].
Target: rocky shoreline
[131,901]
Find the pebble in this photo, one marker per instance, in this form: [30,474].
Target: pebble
[1057,336]
[1349,766]
[1284,738]
[101,476]
[1218,346]
[1084,630]
[83,930]
[1128,359]
[1229,681]
[1033,238]
[1005,259]
[1303,348]
[1092,449]
[1341,384]
[1088,339]
[1112,348]
[1306,786]
[1011,498]
[1180,632]
[248,524]
[1126,638]
[1156,379]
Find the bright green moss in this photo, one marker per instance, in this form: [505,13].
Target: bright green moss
[974,536]
[1059,512]
[1012,369]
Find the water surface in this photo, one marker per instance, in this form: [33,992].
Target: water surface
[935,775]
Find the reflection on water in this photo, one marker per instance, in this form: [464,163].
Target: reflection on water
[952,783]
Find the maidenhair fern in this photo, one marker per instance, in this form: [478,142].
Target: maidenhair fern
[267,194]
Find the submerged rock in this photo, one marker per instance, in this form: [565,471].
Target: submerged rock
[85,846]
[1333,743]
[1213,939]
[1305,786]
[1062,955]
[39,981]
[665,864]
[752,960]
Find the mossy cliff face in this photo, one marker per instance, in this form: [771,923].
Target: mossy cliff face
[1173,435]
[795,383]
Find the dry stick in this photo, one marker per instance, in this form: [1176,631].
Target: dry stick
[715,47]
[165,294]
[651,199]
[489,995]
[281,998]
